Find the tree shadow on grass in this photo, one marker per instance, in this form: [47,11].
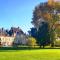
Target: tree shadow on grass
[11,49]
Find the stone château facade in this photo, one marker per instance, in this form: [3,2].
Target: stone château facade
[14,35]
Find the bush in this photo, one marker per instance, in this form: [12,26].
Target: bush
[31,42]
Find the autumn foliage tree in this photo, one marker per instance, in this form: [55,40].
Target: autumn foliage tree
[31,42]
[49,14]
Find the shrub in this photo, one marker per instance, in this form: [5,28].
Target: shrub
[31,42]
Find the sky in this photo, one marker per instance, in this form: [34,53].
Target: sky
[14,13]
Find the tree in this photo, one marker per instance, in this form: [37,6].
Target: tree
[43,35]
[48,13]
[31,42]
[33,32]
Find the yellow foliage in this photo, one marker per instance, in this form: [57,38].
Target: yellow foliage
[53,3]
[31,41]
[48,16]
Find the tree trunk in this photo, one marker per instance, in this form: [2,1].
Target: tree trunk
[52,44]
[40,46]
[43,46]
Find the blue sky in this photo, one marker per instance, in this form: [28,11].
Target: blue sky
[14,13]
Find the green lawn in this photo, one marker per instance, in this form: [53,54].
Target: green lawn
[41,54]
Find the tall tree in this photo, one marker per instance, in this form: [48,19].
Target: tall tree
[48,13]
[43,35]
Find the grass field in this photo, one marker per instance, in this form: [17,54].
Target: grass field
[40,54]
